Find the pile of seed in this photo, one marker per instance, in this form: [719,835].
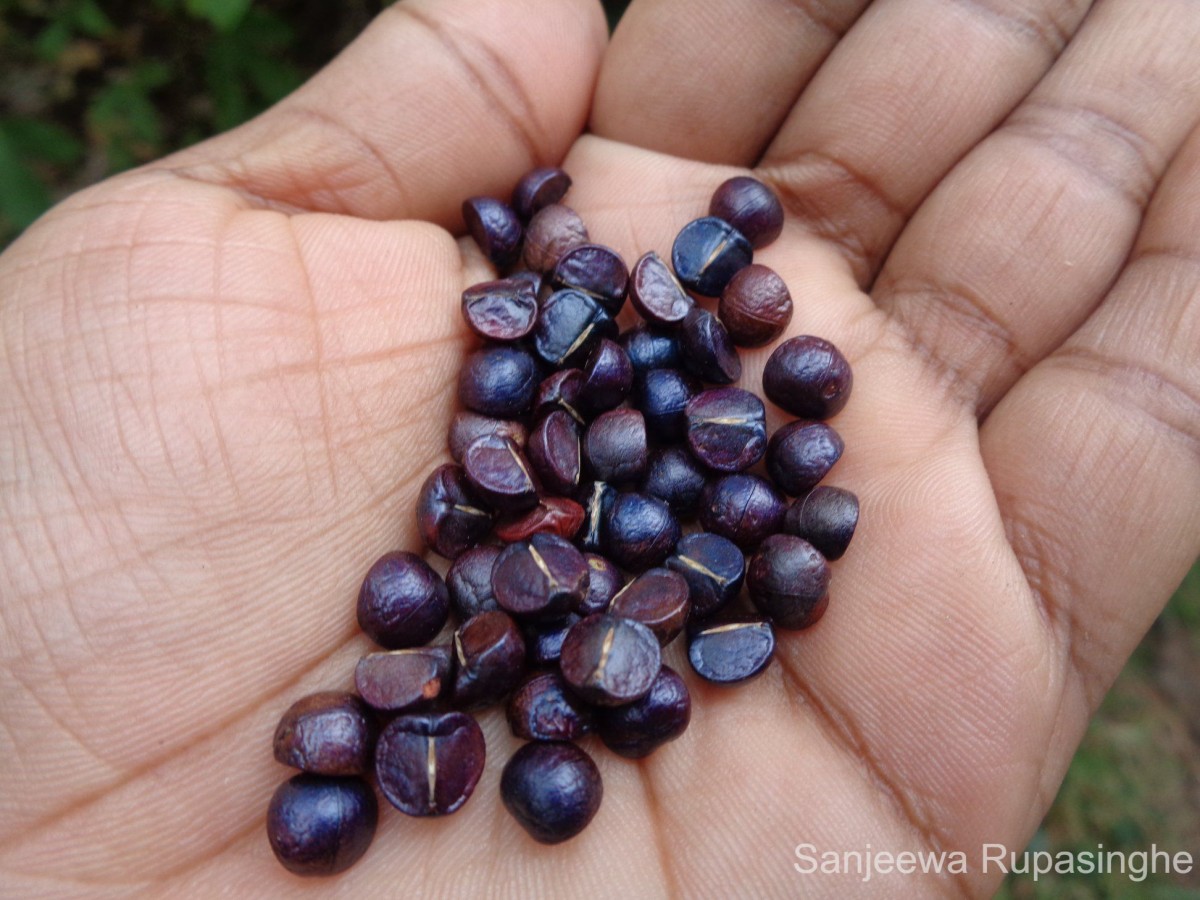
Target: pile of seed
[581,455]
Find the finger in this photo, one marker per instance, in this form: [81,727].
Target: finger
[712,80]
[437,100]
[1020,242]
[1095,453]
[912,88]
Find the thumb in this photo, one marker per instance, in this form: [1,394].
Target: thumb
[436,101]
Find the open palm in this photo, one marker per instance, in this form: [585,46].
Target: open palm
[226,375]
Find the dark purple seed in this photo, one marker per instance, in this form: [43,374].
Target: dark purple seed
[749,206]
[326,733]
[500,474]
[614,446]
[730,652]
[808,377]
[553,789]
[707,253]
[466,426]
[320,825]
[544,577]
[708,352]
[402,679]
[649,348]
[560,391]
[569,327]
[658,598]
[595,270]
[608,377]
[662,396]
[788,580]
[638,729]
[727,428]
[502,310]
[604,582]
[825,517]
[656,293]
[554,452]
[498,381]
[755,306]
[469,582]
[553,230]
[496,229]
[402,601]
[533,279]
[552,515]
[608,660]
[428,764]
[538,188]
[801,453]
[489,656]
[450,517]
[544,640]
[597,509]
[675,477]
[713,567]
[640,532]
[743,508]
[542,709]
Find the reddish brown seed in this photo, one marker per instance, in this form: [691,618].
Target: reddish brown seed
[469,582]
[560,391]
[543,709]
[554,452]
[614,446]
[450,517]
[658,598]
[326,733]
[656,293]
[466,426]
[749,206]
[500,473]
[755,306]
[809,377]
[402,679]
[544,577]
[538,188]
[502,310]
[596,270]
[609,661]
[428,764]
[552,515]
[551,232]
[788,580]
[495,228]
[489,655]
[604,581]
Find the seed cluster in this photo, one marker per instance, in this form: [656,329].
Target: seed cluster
[581,455]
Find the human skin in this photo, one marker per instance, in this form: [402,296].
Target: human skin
[226,374]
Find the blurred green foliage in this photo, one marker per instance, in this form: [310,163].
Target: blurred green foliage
[89,88]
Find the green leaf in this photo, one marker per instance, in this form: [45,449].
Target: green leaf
[38,141]
[223,15]
[22,196]
[90,19]
[53,40]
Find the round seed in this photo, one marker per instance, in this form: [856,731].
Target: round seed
[553,789]
[318,825]
[608,660]
[402,602]
[428,764]
[326,733]
[731,652]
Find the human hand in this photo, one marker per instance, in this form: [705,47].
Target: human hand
[227,374]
